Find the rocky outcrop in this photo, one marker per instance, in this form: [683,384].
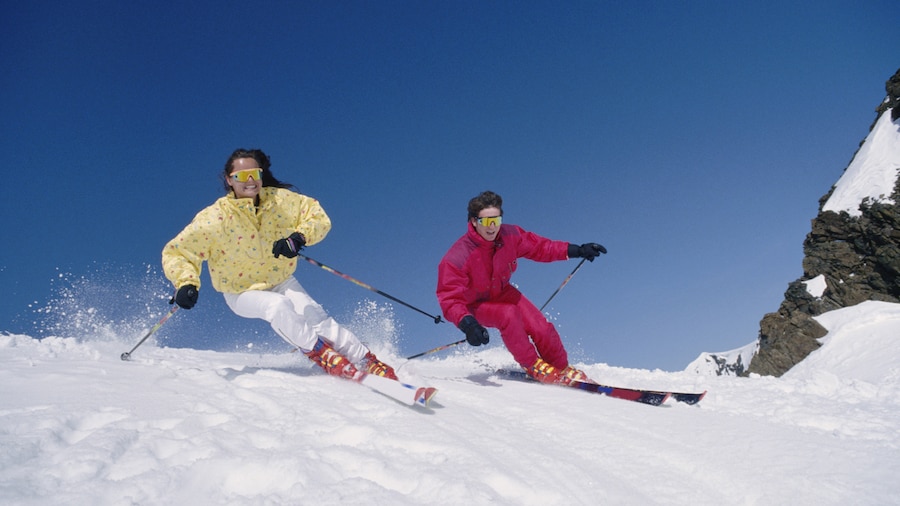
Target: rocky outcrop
[893,97]
[728,363]
[859,257]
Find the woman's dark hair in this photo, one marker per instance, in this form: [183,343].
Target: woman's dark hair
[268,179]
[484,200]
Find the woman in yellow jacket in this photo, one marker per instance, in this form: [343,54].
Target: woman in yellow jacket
[250,239]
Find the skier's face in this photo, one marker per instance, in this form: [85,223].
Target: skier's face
[488,223]
[250,186]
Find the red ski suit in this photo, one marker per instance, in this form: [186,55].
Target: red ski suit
[473,278]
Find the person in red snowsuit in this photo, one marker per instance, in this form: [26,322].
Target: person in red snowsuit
[474,290]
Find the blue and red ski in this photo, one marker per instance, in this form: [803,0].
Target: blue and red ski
[399,391]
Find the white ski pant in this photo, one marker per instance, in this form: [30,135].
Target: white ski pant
[296,317]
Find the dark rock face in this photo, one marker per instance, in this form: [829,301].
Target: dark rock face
[859,256]
[893,97]
[725,366]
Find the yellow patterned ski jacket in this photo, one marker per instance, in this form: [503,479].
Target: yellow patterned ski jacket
[235,239]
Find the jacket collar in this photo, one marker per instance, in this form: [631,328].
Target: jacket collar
[264,194]
[481,242]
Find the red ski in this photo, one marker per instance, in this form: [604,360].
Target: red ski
[652,397]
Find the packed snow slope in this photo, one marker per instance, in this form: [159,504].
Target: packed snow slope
[180,426]
[873,171]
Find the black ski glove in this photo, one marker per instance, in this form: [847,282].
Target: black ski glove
[186,296]
[588,251]
[289,246]
[476,335]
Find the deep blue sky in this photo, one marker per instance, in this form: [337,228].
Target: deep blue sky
[692,139]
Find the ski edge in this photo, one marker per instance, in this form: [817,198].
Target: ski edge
[401,392]
[651,397]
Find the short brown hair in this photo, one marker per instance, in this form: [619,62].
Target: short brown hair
[484,200]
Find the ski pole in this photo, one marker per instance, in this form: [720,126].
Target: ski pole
[439,348]
[127,354]
[564,283]
[437,319]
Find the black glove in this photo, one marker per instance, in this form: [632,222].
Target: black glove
[476,335]
[186,296]
[289,246]
[588,251]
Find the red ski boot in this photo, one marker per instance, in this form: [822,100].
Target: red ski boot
[543,372]
[333,362]
[570,374]
[378,368]
[546,373]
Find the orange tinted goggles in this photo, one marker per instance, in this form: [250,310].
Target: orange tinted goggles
[488,221]
[244,175]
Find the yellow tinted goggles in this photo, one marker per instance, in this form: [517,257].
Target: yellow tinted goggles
[489,221]
[244,175]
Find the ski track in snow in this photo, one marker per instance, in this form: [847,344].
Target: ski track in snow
[179,426]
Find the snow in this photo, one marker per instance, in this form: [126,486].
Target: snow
[855,330]
[873,171]
[816,286]
[181,426]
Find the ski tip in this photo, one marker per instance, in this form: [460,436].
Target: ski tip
[425,394]
[689,399]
